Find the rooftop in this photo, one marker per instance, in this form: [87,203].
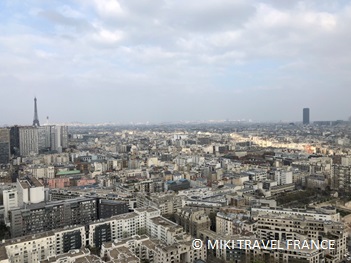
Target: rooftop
[82,254]
[30,182]
[68,172]
[123,255]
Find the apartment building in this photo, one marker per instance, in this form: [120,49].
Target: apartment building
[322,213]
[228,254]
[28,141]
[42,171]
[340,178]
[10,201]
[30,191]
[35,218]
[234,223]
[192,220]
[126,225]
[165,240]
[35,248]
[150,186]
[298,227]
[133,248]
[163,229]
[109,208]
[4,145]
[283,177]
[141,248]
[181,251]
[243,254]
[76,255]
[117,227]
[166,203]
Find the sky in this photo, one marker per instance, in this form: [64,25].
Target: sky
[122,61]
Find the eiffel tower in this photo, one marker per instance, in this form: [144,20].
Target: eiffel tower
[36,119]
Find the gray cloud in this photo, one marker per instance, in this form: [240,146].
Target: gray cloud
[171,60]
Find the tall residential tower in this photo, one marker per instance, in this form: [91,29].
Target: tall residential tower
[4,145]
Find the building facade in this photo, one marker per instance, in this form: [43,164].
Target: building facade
[306,116]
[4,145]
[28,141]
[36,218]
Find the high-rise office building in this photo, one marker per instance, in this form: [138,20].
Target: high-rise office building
[28,141]
[56,146]
[4,145]
[59,138]
[52,138]
[306,116]
[44,136]
[64,137]
[14,141]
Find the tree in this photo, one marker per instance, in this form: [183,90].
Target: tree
[4,231]
[142,231]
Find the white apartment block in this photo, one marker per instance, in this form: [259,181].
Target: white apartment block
[32,249]
[181,252]
[346,161]
[10,201]
[138,248]
[116,227]
[50,159]
[245,254]
[163,229]
[172,243]
[224,223]
[134,248]
[142,219]
[323,214]
[76,255]
[166,203]
[42,246]
[42,172]
[291,255]
[283,177]
[30,190]
[69,237]
[257,175]
[231,224]
[297,227]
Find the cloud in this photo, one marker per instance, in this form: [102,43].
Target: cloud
[186,56]
[106,38]
[108,8]
[66,18]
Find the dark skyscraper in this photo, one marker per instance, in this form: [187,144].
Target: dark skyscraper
[306,116]
[14,140]
[4,145]
[36,119]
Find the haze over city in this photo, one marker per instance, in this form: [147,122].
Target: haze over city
[136,61]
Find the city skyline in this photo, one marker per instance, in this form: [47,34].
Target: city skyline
[305,120]
[131,61]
